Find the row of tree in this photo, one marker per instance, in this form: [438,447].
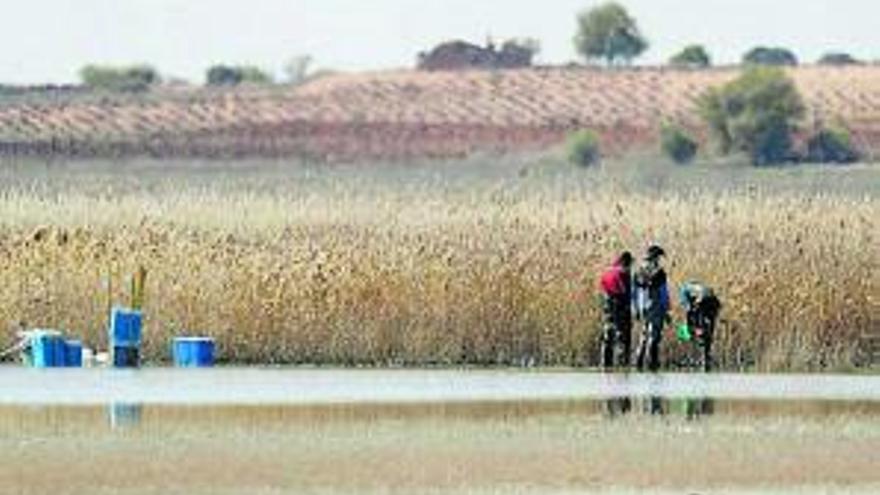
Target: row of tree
[137,78]
[610,34]
[757,114]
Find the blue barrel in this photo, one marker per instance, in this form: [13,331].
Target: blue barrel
[125,357]
[125,337]
[47,349]
[73,353]
[124,416]
[193,352]
[125,327]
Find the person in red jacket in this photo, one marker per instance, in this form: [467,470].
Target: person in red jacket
[616,289]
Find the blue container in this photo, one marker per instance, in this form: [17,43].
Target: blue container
[125,327]
[126,357]
[193,352]
[73,351]
[48,349]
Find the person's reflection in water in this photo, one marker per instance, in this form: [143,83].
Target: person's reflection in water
[622,406]
[690,408]
[124,416]
[618,407]
[695,408]
[656,406]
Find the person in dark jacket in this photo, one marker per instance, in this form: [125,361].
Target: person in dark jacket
[652,307]
[616,288]
[702,307]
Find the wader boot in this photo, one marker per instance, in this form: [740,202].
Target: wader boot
[624,336]
[706,345]
[617,332]
[649,346]
[609,333]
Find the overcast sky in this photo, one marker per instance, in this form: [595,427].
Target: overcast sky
[49,40]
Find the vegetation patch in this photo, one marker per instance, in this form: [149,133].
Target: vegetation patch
[755,114]
[677,144]
[583,148]
[832,145]
[133,79]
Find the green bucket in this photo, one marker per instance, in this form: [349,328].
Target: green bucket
[684,333]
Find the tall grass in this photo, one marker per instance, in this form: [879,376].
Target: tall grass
[440,265]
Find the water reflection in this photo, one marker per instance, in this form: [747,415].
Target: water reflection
[439,448]
[696,408]
[690,408]
[122,416]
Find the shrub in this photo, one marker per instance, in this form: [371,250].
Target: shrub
[583,148]
[609,33]
[774,56]
[832,146]
[457,55]
[756,114]
[135,78]
[692,57]
[226,75]
[838,59]
[677,144]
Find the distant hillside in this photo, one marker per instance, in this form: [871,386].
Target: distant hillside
[403,114]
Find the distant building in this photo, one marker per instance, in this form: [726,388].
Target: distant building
[460,55]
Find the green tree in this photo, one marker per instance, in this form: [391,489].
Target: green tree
[582,148]
[133,78]
[609,33]
[838,58]
[223,75]
[756,114]
[775,56]
[832,145]
[254,75]
[692,56]
[678,144]
[226,75]
[528,44]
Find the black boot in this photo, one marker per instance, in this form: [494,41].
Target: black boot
[607,350]
[640,356]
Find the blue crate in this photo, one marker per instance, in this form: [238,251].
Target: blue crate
[193,352]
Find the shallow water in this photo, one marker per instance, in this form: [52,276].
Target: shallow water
[350,432]
[248,386]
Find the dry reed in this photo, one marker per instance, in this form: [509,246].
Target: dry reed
[415,271]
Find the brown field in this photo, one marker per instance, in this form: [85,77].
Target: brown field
[489,263]
[405,114]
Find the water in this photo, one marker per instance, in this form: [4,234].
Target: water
[220,386]
[350,432]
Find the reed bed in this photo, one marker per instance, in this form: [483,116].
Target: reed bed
[440,265]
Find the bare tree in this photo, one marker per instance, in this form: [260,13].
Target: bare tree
[297,68]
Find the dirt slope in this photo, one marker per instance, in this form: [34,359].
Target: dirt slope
[402,114]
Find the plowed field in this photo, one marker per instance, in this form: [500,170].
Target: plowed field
[407,114]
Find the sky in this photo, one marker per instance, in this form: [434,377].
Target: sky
[47,41]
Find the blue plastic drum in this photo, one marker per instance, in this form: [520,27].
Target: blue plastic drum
[73,354]
[48,349]
[125,327]
[193,352]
